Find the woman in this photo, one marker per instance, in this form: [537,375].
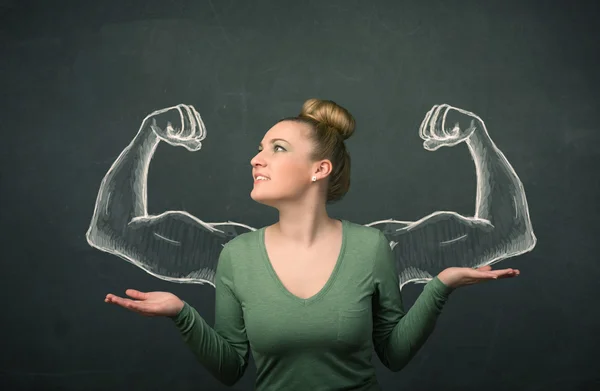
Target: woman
[311,295]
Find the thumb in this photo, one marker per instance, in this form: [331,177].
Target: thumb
[193,145]
[136,294]
[432,144]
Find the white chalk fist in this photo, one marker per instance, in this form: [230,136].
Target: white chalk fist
[446,126]
[179,125]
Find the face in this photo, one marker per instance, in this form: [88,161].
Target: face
[282,169]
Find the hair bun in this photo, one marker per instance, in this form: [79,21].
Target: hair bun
[331,114]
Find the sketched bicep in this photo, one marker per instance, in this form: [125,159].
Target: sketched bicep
[174,245]
[441,240]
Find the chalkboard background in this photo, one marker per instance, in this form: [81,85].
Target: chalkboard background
[77,78]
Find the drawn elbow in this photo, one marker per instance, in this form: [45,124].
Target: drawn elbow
[529,241]
[91,235]
[101,237]
[523,239]
[513,244]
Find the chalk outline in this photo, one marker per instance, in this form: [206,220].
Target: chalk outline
[192,131]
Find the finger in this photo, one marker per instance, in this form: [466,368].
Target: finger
[192,145]
[136,306]
[507,273]
[109,298]
[503,271]
[485,268]
[488,275]
[112,299]
[156,112]
[136,294]
[179,130]
[432,120]
[481,274]
[190,126]
[501,274]
[435,122]
[200,124]
[424,129]
[446,132]
[433,144]
[115,299]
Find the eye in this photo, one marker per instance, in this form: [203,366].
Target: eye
[278,146]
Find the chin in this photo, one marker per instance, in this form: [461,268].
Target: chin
[262,198]
[267,198]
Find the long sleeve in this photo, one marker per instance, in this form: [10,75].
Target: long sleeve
[397,334]
[224,351]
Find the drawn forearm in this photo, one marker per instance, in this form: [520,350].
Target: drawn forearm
[122,195]
[500,195]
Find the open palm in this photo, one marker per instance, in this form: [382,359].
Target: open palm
[455,277]
[148,303]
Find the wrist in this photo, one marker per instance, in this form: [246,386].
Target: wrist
[480,139]
[445,278]
[146,138]
[178,310]
[180,306]
[441,288]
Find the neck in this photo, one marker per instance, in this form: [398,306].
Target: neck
[302,224]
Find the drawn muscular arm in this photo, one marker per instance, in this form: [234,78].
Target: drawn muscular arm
[174,245]
[500,227]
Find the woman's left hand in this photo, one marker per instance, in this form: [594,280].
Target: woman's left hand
[455,277]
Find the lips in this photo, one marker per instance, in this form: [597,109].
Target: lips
[258,177]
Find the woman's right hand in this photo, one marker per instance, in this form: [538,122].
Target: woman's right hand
[148,303]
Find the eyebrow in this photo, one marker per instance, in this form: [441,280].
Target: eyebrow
[274,140]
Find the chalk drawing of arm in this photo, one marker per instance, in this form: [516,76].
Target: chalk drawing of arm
[173,246]
[500,227]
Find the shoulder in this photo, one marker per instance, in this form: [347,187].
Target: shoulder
[243,242]
[236,255]
[372,247]
[370,242]
[364,233]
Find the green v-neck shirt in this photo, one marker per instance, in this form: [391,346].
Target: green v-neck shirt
[324,342]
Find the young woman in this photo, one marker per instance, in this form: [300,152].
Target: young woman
[311,296]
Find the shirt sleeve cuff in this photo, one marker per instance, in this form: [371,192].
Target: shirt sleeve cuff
[183,314]
[439,288]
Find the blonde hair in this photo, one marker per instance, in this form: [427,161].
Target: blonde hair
[331,125]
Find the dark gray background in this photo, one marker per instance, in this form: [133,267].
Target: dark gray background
[78,77]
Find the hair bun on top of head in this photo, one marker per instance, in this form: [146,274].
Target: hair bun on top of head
[331,114]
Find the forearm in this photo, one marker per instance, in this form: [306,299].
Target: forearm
[413,329]
[210,348]
[500,196]
[122,194]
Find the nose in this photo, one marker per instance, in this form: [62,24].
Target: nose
[258,160]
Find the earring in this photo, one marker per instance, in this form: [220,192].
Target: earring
[314,178]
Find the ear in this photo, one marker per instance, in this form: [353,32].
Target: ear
[322,169]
